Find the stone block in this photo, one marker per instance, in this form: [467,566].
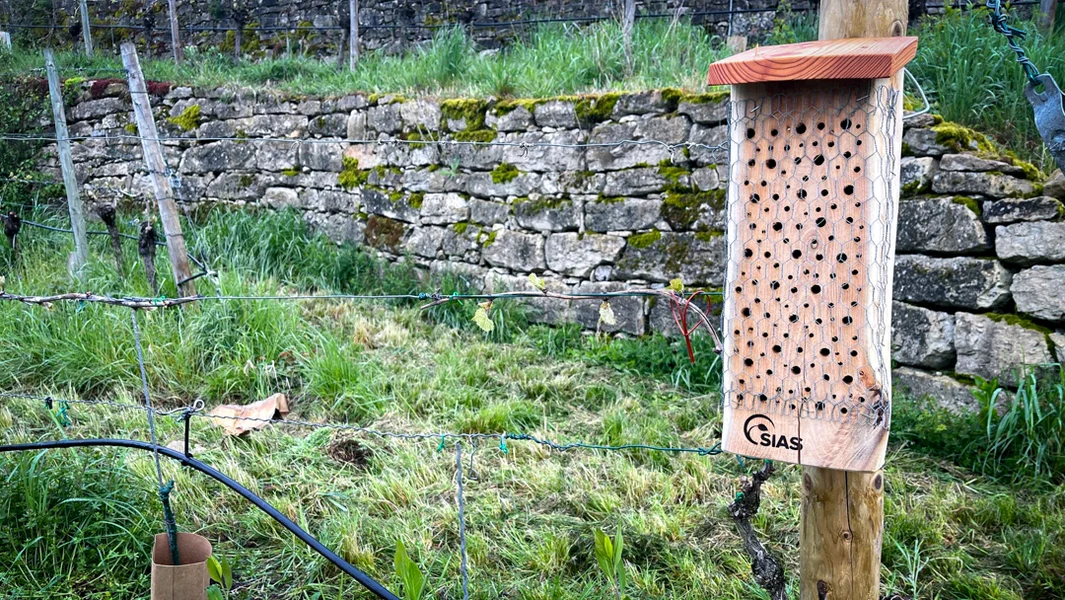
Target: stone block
[921,337]
[488,213]
[969,162]
[339,201]
[546,213]
[705,113]
[922,142]
[995,348]
[1055,185]
[278,198]
[641,103]
[986,184]
[544,158]
[95,109]
[217,157]
[322,156]
[698,259]
[271,126]
[621,214]
[710,145]
[1040,292]
[577,255]
[481,184]
[556,113]
[949,393]
[397,208]
[518,119]
[522,252]
[916,174]
[635,182]
[1013,210]
[339,228]
[331,125]
[384,118]
[425,241]
[420,114]
[623,156]
[275,156]
[240,186]
[1028,243]
[439,209]
[958,282]
[667,129]
[939,226]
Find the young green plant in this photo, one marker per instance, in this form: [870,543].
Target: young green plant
[608,555]
[409,573]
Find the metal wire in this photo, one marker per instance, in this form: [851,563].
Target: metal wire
[461,501]
[1013,37]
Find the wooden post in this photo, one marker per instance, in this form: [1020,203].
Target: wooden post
[353,18]
[153,159]
[5,41]
[627,23]
[175,36]
[66,164]
[86,34]
[842,512]
[1047,8]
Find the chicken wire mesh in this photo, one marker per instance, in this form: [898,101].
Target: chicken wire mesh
[810,233]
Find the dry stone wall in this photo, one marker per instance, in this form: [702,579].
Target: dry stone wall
[981,246]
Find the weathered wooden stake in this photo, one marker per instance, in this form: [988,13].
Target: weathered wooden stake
[175,35]
[66,165]
[153,159]
[843,512]
[86,34]
[1048,8]
[627,24]
[353,43]
[5,41]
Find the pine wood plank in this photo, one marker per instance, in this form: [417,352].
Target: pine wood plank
[858,58]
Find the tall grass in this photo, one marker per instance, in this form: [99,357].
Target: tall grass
[553,59]
[973,78]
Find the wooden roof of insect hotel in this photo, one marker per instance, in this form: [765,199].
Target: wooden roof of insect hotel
[861,58]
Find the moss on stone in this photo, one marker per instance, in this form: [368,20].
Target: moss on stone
[433,168]
[460,228]
[1018,321]
[671,172]
[1031,172]
[969,203]
[963,139]
[682,207]
[530,206]
[350,175]
[245,181]
[419,135]
[415,200]
[644,240]
[595,109]
[189,118]
[708,235]
[491,239]
[130,128]
[601,199]
[383,233]
[509,105]
[470,109]
[711,97]
[911,189]
[386,99]
[907,150]
[504,172]
[476,135]
[292,171]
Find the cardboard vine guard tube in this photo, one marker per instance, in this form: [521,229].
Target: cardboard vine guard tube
[187,581]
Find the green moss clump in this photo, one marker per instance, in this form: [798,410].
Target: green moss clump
[708,235]
[644,240]
[1018,321]
[350,175]
[292,171]
[907,150]
[530,206]
[504,173]
[386,99]
[595,109]
[189,118]
[130,128]
[911,189]
[508,106]
[711,97]
[460,228]
[671,172]
[245,181]
[415,200]
[470,109]
[962,139]
[478,135]
[969,203]
[682,208]
[1031,172]
[601,199]
[491,239]
[418,135]
[433,168]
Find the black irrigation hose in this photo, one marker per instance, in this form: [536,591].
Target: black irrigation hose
[368,582]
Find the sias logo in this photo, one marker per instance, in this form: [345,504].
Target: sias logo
[756,425]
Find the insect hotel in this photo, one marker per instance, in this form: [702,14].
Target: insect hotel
[815,138]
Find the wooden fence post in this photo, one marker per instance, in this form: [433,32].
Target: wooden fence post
[1047,8]
[627,23]
[843,512]
[353,53]
[175,35]
[86,33]
[66,164]
[5,41]
[153,159]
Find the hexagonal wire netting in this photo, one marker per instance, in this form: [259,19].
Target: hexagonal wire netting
[811,229]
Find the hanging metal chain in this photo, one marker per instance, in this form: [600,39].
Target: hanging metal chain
[1042,91]
[1013,38]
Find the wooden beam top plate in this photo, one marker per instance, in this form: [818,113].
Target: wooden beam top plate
[859,58]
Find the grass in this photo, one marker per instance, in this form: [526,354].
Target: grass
[553,59]
[77,524]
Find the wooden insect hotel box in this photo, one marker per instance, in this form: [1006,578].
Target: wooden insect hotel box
[814,144]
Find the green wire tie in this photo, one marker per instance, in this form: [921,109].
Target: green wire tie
[503,443]
[739,459]
[79,306]
[168,519]
[158,301]
[440,446]
[64,420]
